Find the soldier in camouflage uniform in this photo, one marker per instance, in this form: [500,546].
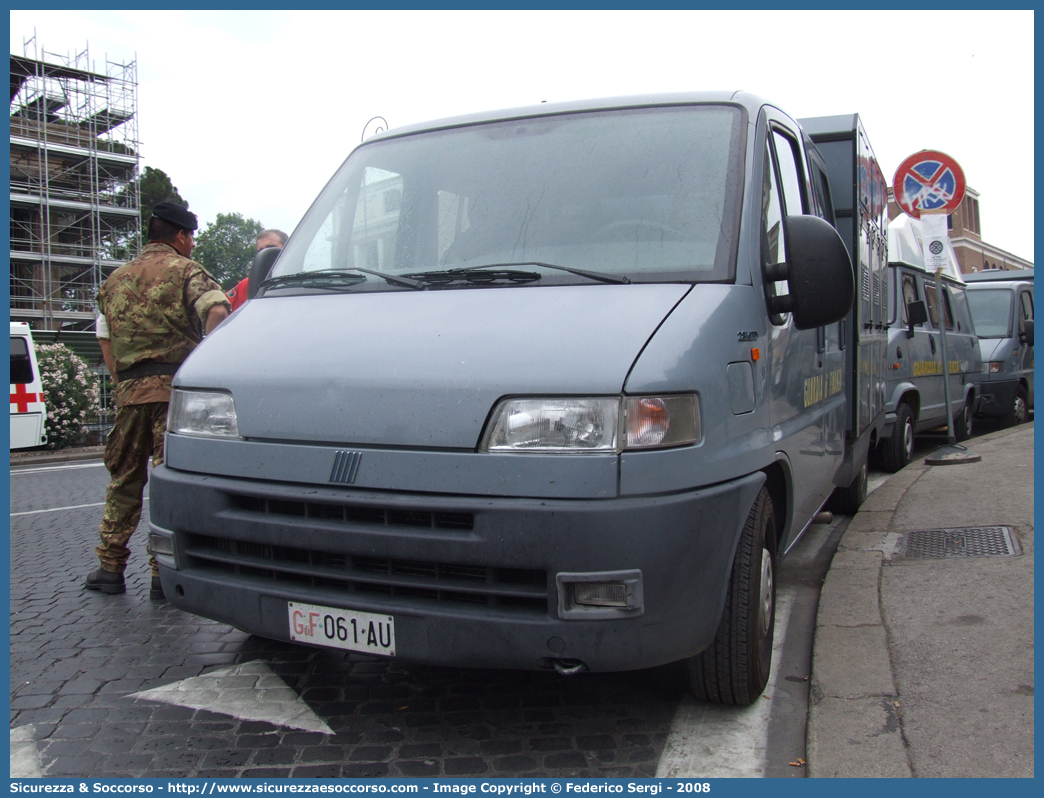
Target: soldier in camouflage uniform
[153,313]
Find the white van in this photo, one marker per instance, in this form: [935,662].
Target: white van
[28,410]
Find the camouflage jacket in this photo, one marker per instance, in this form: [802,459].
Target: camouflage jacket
[155,308]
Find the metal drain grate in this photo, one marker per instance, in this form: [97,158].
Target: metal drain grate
[974,541]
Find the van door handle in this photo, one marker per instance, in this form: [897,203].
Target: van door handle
[931,339]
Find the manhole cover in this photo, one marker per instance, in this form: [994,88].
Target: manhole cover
[974,541]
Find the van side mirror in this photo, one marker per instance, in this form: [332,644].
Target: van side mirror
[260,269]
[818,272]
[1026,334]
[916,313]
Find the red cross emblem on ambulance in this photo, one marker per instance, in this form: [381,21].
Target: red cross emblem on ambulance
[22,398]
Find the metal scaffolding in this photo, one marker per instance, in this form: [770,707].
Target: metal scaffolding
[74,189]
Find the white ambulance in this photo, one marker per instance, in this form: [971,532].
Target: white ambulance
[28,410]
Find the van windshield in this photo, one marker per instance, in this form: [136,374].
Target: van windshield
[991,312]
[647,194]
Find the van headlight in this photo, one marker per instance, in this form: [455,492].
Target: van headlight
[592,424]
[207,413]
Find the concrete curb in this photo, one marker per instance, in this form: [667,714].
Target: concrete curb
[854,721]
[25,459]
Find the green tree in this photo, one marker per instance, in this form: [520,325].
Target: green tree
[155,187]
[226,247]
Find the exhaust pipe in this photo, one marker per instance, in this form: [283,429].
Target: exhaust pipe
[569,667]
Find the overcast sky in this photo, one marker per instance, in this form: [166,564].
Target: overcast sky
[252,111]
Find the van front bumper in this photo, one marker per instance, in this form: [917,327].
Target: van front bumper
[996,398]
[470,581]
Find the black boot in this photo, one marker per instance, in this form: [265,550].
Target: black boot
[105,581]
[156,591]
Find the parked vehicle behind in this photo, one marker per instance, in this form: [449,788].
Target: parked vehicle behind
[914,368]
[28,405]
[1002,308]
[553,387]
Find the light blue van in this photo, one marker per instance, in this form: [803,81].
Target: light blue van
[914,366]
[553,387]
[1002,308]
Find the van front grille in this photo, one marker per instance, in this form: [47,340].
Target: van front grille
[355,514]
[520,589]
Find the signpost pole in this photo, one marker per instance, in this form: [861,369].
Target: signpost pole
[951,439]
[933,230]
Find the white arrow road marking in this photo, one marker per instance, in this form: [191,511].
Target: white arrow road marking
[249,692]
[25,759]
[711,741]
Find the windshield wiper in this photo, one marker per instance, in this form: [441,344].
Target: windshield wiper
[474,276]
[394,278]
[318,279]
[599,276]
[328,277]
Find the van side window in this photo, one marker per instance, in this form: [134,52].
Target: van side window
[21,366]
[909,295]
[773,246]
[790,173]
[822,186]
[932,299]
[947,309]
[932,296]
[1025,308]
[772,216]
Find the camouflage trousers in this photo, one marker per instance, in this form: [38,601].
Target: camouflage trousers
[136,435]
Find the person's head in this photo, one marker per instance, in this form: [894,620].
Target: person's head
[173,224]
[271,238]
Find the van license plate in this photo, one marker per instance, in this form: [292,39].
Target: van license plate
[347,629]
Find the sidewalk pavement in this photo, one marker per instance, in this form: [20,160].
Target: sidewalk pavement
[924,666]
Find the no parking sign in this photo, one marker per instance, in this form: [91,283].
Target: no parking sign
[928,181]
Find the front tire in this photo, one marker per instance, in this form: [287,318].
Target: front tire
[1019,409]
[962,425]
[734,669]
[897,450]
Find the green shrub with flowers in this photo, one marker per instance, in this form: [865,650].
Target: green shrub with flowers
[72,394]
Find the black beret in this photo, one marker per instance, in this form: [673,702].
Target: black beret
[177,215]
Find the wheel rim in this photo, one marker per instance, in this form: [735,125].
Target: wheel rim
[1020,409]
[765,597]
[908,442]
[966,415]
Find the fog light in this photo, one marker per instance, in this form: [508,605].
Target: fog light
[161,544]
[600,594]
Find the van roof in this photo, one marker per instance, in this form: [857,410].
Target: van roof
[1000,276]
[751,102]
